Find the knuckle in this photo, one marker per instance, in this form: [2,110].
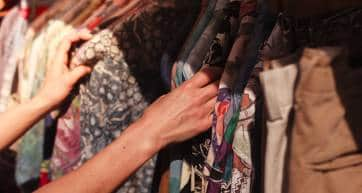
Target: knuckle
[187,85]
[184,117]
[206,72]
[198,112]
[194,101]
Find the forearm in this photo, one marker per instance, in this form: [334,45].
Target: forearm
[58,83]
[16,121]
[112,166]
[174,117]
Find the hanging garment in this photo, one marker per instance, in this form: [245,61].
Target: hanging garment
[60,13]
[66,151]
[243,145]
[116,94]
[195,151]
[18,43]
[171,53]
[324,148]
[325,154]
[5,26]
[86,12]
[97,16]
[202,22]
[192,39]
[229,165]
[278,82]
[15,25]
[168,75]
[278,86]
[53,44]
[327,149]
[67,141]
[10,66]
[14,45]
[31,148]
[76,10]
[28,154]
[39,56]
[57,9]
[194,60]
[179,170]
[50,123]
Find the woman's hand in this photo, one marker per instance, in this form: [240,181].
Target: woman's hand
[184,112]
[60,79]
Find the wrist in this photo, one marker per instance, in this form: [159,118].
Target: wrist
[149,136]
[42,104]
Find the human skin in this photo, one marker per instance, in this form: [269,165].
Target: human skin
[174,117]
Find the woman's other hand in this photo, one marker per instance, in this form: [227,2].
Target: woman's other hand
[60,79]
[184,112]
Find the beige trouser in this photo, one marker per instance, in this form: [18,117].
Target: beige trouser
[326,139]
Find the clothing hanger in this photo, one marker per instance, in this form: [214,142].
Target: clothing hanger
[64,7]
[76,9]
[127,6]
[93,20]
[98,17]
[108,10]
[122,9]
[58,7]
[87,12]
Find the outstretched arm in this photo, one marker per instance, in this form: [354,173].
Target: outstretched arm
[57,85]
[175,117]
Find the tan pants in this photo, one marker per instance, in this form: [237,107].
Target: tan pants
[326,139]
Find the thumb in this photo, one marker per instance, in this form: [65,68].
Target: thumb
[78,72]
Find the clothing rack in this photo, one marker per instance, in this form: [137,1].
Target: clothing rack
[284,85]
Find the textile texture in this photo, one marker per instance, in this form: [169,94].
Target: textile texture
[195,151]
[278,86]
[324,147]
[229,163]
[126,78]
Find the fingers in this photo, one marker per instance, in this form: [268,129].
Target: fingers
[210,105]
[73,37]
[210,90]
[206,122]
[83,34]
[74,75]
[204,77]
